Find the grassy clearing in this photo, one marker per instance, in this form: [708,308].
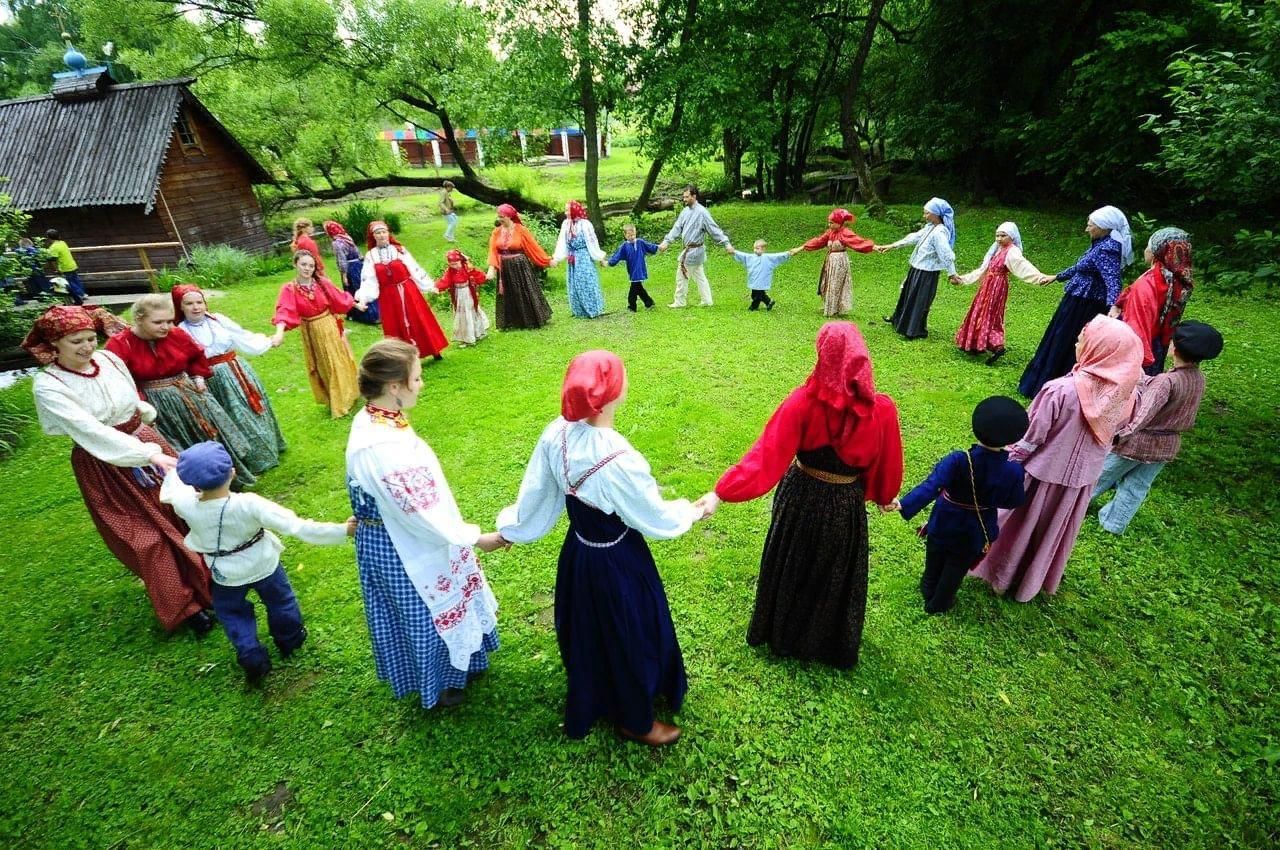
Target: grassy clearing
[1135,709]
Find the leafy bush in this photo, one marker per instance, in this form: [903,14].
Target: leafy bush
[213,267]
[355,217]
[502,150]
[1254,258]
[13,420]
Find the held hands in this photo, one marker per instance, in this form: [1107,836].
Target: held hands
[491,274]
[892,507]
[707,505]
[277,338]
[351,526]
[160,460]
[199,382]
[1045,279]
[492,541]
[955,279]
[795,251]
[728,249]
[880,249]
[662,246]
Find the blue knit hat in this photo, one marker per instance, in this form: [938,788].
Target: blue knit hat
[205,466]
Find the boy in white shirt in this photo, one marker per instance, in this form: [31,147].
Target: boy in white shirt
[231,531]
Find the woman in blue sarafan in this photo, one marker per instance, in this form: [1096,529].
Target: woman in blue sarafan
[432,617]
[580,250]
[1091,286]
[617,641]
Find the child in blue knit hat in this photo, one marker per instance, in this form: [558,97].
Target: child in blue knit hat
[234,533]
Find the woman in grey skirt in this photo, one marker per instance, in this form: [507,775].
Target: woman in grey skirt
[934,252]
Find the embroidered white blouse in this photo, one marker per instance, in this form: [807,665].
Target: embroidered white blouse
[1014,261]
[85,409]
[239,517]
[368,291]
[933,251]
[588,232]
[403,476]
[625,486]
[217,335]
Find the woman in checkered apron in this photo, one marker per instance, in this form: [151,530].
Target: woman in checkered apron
[432,617]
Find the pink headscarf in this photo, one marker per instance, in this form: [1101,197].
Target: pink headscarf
[593,379]
[1106,373]
[576,211]
[508,211]
[841,216]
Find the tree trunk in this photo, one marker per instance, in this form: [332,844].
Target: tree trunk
[781,172]
[848,134]
[482,192]
[590,115]
[733,161]
[677,116]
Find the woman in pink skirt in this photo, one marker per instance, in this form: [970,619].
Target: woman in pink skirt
[1073,420]
[982,330]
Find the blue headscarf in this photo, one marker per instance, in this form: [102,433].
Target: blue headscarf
[943,210]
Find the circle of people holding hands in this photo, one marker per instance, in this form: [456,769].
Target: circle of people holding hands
[170,423]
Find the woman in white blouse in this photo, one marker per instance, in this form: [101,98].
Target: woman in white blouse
[934,253]
[234,383]
[118,459]
[578,247]
[617,641]
[982,330]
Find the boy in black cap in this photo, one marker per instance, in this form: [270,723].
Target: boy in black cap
[969,487]
[231,531]
[1167,406]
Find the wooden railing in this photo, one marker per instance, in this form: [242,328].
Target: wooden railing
[147,270]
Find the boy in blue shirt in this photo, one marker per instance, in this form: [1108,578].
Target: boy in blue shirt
[632,252]
[968,486]
[760,268]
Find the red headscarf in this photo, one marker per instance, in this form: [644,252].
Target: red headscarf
[1106,373]
[842,380]
[456,256]
[841,217]
[179,292]
[594,379]
[576,211]
[508,211]
[56,322]
[334,229]
[370,242]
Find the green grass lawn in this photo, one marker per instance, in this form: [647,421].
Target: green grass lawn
[1137,708]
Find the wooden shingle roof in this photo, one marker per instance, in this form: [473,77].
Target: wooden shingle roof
[109,150]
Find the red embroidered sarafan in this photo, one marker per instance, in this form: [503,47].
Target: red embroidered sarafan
[413,489]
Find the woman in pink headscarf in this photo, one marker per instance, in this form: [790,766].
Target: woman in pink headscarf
[616,637]
[832,446]
[578,247]
[1073,420]
[835,284]
[513,253]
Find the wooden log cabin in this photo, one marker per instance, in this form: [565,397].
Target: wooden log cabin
[109,164]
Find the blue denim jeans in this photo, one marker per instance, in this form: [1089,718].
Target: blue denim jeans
[451,226]
[1132,481]
[235,611]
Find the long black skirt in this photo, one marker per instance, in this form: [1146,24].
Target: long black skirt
[1057,352]
[812,594]
[617,641]
[520,305]
[911,316]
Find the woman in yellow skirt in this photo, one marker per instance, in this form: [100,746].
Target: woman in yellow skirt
[315,305]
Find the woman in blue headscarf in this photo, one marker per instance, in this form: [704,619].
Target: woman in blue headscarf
[933,254]
[1091,287]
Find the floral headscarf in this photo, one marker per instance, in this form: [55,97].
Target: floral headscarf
[56,322]
[508,211]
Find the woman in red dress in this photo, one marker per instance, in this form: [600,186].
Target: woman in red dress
[118,460]
[1153,304]
[982,330]
[835,284]
[303,241]
[393,278]
[170,369]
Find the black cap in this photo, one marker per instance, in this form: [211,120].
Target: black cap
[999,421]
[1197,341]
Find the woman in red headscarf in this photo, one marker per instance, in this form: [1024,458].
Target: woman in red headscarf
[393,277]
[1073,420]
[835,285]
[351,266]
[463,283]
[617,641]
[233,383]
[1154,303]
[315,306]
[578,247]
[513,252]
[831,446]
[118,459]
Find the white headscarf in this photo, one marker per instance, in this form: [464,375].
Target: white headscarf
[943,210]
[1111,218]
[1009,229]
